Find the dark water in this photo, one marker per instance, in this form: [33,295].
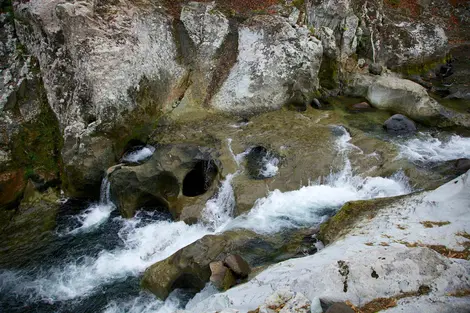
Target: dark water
[49,280]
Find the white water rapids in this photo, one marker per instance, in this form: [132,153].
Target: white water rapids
[143,241]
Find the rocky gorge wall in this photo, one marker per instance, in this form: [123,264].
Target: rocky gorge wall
[82,80]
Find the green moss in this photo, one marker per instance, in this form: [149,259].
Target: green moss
[423,67]
[349,215]
[328,74]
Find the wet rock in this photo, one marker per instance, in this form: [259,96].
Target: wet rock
[190,266]
[221,276]
[340,308]
[399,125]
[175,178]
[375,69]
[462,166]
[238,265]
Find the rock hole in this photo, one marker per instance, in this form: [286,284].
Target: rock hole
[200,178]
[374,274]
[262,163]
[132,145]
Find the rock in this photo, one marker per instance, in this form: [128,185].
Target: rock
[238,265]
[315,306]
[100,83]
[279,298]
[269,45]
[340,308]
[221,276]
[361,106]
[298,304]
[404,97]
[401,253]
[462,166]
[316,104]
[399,125]
[375,69]
[190,266]
[177,178]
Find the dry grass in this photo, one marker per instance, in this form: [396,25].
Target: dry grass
[431,224]
[441,249]
[464,234]
[460,293]
[380,304]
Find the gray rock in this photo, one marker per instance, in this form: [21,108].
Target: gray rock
[339,308]
[267,46]
[375,69]
[399,125]
[316,103]
[405,97]
[238,265]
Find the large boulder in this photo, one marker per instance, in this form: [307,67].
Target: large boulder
[190,266]
[274,61]
[404,97]
[177,178]
[109,70]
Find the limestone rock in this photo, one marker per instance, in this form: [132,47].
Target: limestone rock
[238,265]
[268,46]
[221,276]
[399,125]
[99,80]
[404,97]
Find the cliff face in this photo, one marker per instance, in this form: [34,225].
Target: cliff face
[112,69]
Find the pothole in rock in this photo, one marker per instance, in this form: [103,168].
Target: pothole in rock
[262,163]
[200,178]
[137,152]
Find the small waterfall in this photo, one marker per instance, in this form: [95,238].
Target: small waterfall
[96,214]
[105,197]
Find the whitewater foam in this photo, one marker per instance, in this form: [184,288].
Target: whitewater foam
[428,149]
[311,205]
[269,166]
[139,155]
[141,246]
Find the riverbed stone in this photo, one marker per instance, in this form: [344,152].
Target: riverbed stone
[238,265]
[221,276]
[400,125]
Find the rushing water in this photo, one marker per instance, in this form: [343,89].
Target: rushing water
[97,258]
[428,149]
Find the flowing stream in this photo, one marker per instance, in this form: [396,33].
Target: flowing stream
[95,262]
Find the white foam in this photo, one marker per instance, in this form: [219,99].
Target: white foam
[144,303]
[142,246]
[426,148]
[92,217]
[219,210]
[139,155]
[309,205]
[270,166]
